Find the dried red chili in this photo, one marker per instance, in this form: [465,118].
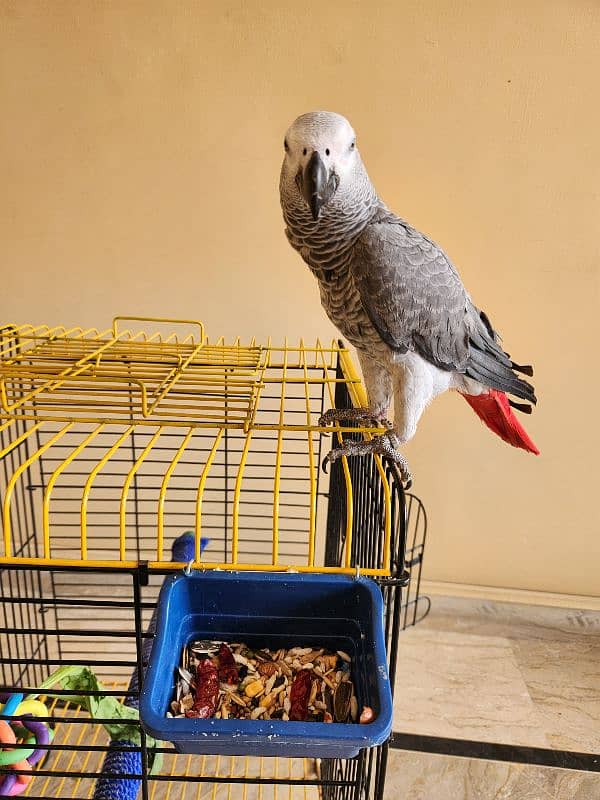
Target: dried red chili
[207,690]
[299,694]
[228,671]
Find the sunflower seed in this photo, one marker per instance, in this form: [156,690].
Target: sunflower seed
[341,701]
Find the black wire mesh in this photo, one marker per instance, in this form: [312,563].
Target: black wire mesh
[365,775]
[100,618]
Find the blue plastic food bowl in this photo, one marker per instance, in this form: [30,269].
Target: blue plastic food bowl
[270,610]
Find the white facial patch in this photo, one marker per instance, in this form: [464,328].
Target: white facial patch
[324,131]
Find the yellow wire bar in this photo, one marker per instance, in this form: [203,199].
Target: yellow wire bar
[73,371]
[236,500]
[360,399]
[10,447]
[160,321]
[125,492]
[6,425]
[54,477]
[26,334]
[312,508]
[59,370]
[177,566]
[74,763]
[277,481]
[169,382]
[200,492]
[88,486]
[120,380]
[163,493]
[15,477]
[348,482]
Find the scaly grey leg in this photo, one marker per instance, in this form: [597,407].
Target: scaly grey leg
[386,445]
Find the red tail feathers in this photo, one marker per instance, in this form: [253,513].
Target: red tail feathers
[494,410]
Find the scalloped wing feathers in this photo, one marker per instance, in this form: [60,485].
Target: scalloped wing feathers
[415,299]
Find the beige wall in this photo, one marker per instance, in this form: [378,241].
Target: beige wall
[141,144]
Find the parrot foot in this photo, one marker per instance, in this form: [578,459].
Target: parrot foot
[354,415]
[386,445]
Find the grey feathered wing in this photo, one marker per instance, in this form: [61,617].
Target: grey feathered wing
[415,299]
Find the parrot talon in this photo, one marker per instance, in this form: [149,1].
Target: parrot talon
[334,415]
[332,456]
[385,445]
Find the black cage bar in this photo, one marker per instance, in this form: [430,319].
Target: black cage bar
[48,620]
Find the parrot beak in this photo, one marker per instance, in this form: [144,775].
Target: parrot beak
[316,185]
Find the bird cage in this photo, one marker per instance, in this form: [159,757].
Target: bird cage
[115,442]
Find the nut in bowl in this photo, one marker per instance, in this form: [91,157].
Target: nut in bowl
[234,681]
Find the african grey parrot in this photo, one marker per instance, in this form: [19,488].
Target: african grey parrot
[393,293]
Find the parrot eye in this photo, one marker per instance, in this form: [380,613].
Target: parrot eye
[352,145]
[327,151]
[286,146]
[304,152]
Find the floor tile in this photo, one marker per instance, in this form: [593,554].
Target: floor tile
[563,680]
[513,620]
[421,776]
[463,686]
[502,672]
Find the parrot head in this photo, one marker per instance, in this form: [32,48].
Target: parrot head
[320,156]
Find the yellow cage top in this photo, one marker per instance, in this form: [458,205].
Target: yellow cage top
[112,442]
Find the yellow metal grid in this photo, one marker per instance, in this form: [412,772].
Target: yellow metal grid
[179,768]
[124,430]
[119,372]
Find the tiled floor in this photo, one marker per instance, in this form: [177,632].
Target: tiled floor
[472,670]
[498,672]
[466,686]
[421,776]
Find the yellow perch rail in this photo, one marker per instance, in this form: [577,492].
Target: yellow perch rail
[112,442]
